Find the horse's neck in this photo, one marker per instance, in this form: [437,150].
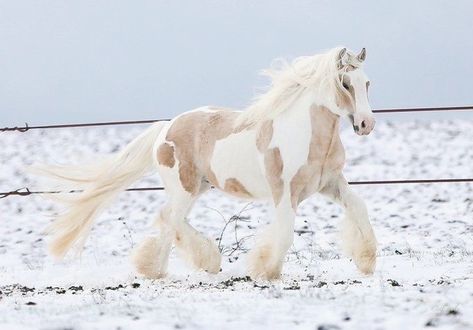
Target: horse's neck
[323,123]
[308,133]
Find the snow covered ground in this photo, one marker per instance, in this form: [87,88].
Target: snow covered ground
[424,276]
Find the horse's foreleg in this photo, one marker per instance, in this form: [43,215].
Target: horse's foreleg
[267,257]
[359,241]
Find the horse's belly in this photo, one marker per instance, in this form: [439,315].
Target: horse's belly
[236,164]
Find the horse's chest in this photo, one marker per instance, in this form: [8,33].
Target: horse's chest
[327,159]
[325,156]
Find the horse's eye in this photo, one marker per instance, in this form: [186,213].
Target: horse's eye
[345,86]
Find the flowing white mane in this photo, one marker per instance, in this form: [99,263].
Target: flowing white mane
[289,81]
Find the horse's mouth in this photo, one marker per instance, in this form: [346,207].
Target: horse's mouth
[359,130]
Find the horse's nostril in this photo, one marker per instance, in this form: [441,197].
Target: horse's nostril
[363,124]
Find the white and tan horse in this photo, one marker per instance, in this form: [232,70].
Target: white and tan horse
[283,148]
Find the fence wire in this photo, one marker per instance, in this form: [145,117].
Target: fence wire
[28,192]
[26,127]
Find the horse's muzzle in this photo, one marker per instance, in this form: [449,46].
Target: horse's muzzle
[363,124]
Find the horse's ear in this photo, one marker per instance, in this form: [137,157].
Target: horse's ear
[343,58]
[362,55]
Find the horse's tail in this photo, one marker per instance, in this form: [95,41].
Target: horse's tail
[101,182]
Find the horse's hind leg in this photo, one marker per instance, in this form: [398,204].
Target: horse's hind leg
[151,256]
[358,238]
[197,249]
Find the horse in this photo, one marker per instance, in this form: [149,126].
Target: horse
[283,148]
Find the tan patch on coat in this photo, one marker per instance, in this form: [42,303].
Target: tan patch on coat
[242,127]
[298,183]
[194,136]
[235,187]
[326,154]
[166,155]
[272,160]
[274,166]
[189,178]
[265,135]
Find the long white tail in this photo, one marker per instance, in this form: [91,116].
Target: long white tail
[101,183]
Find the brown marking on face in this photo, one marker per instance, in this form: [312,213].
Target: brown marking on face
[274,166]
[345,98]
[326,153]
[194,136]
[166,155]
[265,135]
[344,101]
[234,187]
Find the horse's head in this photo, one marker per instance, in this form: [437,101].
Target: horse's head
[352,97]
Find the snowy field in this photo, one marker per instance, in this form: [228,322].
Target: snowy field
[424,276]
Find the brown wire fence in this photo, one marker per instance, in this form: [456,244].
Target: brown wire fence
[27,127]
[27,192]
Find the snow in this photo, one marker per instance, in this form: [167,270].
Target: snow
[423,278]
